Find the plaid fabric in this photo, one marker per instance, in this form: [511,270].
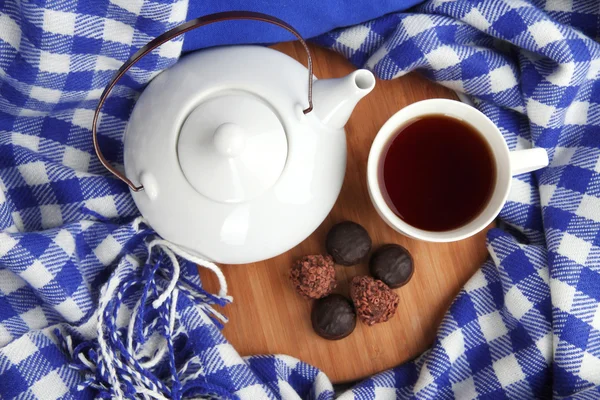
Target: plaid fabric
[92,305]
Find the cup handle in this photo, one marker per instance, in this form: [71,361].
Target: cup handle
[522,161]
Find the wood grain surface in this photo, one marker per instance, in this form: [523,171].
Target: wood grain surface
[268,317]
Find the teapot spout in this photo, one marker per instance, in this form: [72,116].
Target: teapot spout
[335,99]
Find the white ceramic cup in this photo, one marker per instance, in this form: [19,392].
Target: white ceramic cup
[507,164]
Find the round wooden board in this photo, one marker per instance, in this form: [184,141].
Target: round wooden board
[268,317]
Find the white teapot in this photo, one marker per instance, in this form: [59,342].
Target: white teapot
[225,154]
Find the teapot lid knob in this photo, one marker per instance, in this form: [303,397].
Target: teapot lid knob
[229,139]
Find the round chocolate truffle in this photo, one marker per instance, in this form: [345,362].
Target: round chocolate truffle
[391,264]
[313,276]
[374,301]
[348,243]
[333,317]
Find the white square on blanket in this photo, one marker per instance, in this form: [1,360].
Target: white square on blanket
[35,318]
[10,31]
[117,31]
[465,390]
[252,392]
[516,302]
[545,32]
[590,368]
[10,282]
[539,113]
[37,275]
[354,37]
[475,18]
[563,295]
[508,370]
[589,208]
[20,349]
[108,250]
[51,216]
[45,94]
[76,159]
[492,326]
[34,173]
[577,113]
[28,141]
[502,78]
[574,248]
[454,345]
[415,24]
[69,310]
[559,5]
[6,244]
[562,75]
[442,57]
[50,387]
[59,22]
[133,6]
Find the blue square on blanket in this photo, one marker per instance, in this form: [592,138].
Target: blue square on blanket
[520,338]
[22,197]
[56,129]
[577,333]
[474,66]
[22,70]
[463,310]
[575,178]
[79,80]
[53,356]
[557,218]
[85,45]
[265,366]
[96,7]
[446,34]
[518,266]
[300,383]
[587,22]
[7,156]
[6,310]
[67,191]
[589,283]
[591,136]
[35,243]
[406,54]
[69,278]
[530,79]
[7,122]
[595,95]
[568,95]
[579,50]
[479,357]
[12,95]
[405,375]
[12,384]
[510,25]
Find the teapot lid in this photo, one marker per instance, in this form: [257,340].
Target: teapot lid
[232,147]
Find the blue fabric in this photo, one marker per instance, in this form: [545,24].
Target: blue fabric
[310,18]
[94,305]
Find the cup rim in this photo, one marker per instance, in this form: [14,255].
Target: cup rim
[387,132]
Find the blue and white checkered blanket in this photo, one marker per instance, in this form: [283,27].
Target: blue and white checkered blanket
[93,305]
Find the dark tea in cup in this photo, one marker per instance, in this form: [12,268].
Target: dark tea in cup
[439,173]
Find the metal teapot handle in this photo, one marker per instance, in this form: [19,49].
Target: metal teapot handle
[172,34]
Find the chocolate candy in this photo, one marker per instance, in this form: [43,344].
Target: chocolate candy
[333,317]
[392,264]
[348,243]
[313,277]
[374,301]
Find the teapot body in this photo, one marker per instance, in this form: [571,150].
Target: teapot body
[247,216]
